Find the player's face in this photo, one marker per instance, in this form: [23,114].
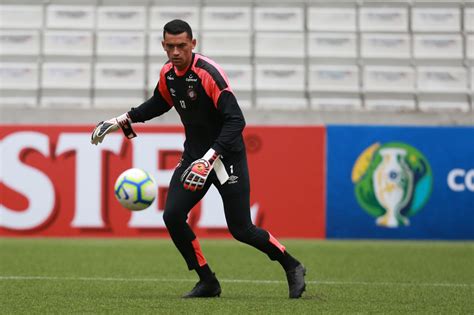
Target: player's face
[179,49]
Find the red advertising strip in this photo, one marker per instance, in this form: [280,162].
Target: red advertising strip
[53,182]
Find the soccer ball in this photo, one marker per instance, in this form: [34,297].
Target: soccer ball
[135,189]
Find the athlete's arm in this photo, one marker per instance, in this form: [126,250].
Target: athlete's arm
[234,123]
[153,107]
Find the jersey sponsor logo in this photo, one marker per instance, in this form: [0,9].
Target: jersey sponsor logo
[173,91]
[191,78]
[170,77]
[392,181]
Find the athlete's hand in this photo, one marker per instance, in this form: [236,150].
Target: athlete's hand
[195,176]
[105,127]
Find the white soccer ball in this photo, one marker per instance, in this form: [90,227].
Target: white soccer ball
[135,189]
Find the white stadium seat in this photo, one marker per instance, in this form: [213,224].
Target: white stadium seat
[66,101]
[19,42]
[332,19]
[269,44]
[19,76]
[121,17]
[339,102]
[119,102]
[389,79]
[119,76]
[469,19]
[448,46]
[470,46]
[383,19]
[472,79]
[70,17]
[329,45]
[59,75]
[444,103]
[436,19]
[239,75]
[278,19]
[227,44]
[18,101]
[280,77]
[226,18]
[390,102]
[442,79]
[121,43]
[160,15]
[380,45]
[282,102]
[334,78]
[70,43]
[21,16]
[154,44]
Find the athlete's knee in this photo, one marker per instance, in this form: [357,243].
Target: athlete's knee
[243,234]
[173,217]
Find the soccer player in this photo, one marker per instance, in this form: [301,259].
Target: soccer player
[199,90]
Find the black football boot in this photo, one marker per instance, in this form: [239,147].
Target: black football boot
[296,284]
[203,289]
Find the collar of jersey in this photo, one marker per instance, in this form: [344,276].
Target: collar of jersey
[181,73]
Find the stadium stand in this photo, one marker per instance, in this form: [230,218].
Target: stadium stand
[345,61]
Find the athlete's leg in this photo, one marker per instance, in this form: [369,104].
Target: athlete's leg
[236,198]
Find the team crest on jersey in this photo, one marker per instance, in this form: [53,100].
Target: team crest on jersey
[191,94]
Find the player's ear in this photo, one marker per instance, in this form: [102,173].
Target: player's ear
[194,42]
[163,44]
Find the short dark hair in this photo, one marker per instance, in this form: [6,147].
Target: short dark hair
[176,27]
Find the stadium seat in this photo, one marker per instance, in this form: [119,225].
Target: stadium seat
[56,75]
[328,101]
[278,19]
[280,77]
[239,75]
[154,44]
[269,44]
[438,46]
[160,15]
[383,19]
[470,47]
[70,43]
[442,79]
[226,18]
[121,43]
[335,78]
[227,44]
[389,79]
[380,45]
[121,17]
[389,101]
[69,101]
[70,16]
[123,102]
[19,42]
[18,101]
[469,19]
[331,45]
[442,89]
[472,79]
[21,16]
[119,76]
[332,19]
[19,76]
[442,19]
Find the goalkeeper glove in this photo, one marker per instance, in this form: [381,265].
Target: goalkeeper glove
[104,127]
[195,176]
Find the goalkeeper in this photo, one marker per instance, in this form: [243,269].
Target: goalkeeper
[214,154]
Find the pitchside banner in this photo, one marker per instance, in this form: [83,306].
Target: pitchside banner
[400,182]
[53,182]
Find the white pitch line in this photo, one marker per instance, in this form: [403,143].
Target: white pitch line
[322,282]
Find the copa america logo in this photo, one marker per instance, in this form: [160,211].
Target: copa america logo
[393,182]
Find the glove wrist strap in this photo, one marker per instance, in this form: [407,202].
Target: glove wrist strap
[211,155]
[125,124]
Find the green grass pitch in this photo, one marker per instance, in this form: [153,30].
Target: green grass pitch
[131,276]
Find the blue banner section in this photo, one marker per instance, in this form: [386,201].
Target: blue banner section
[400,182]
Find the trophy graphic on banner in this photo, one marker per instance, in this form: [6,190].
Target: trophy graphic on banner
[393,186]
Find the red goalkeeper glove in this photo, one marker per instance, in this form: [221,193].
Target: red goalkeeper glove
[105,127]
[195,176]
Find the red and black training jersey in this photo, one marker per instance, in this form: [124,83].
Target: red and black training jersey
[205,102]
